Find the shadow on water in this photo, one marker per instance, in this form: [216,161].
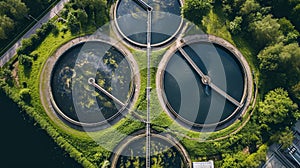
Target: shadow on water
[26,145]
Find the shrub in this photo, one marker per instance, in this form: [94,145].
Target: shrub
[25,60]
[25,95]
[194,10]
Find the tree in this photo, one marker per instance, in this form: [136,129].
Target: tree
[235,25]
[295,15]
[25,95]
[281,63]
[233,160]
[288,30]
[285,8]
[18,9]
[25,60]
[266,31]
[15,9]
[251,136]
[26,47]
[296,91]
[269,58]
[6,74]
[95,10]
[255,159]
[6,26]
[249,6]
[4,8]
[285,138]
[82,17]
[104,164]
[278,108]
[73,23]
[194,10]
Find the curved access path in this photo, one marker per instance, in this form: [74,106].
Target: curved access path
[13,50]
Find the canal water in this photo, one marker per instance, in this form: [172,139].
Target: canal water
[25,145]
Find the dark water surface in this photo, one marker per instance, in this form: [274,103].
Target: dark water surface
[132,20]
[26,145]
[193,100]
[163,154]
[70,81]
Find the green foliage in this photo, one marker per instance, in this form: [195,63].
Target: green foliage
[20,14]
[235,25]
[105,164]
[79,12]
[285,138]
[251,135]
[254,160]
[288,29]
[285,8]
[15,9]
[232,7]
[250,6]
[25,60]
[6,25]
[194,10]
[25,95]
[82,17]
[281,63]
[296,92]
[11,11]
[278,108]
[95,10]
[233,160]
[269,58]
[73,23]
[31,43]
[266,30]
[295,15]
[245,160]
[6,74]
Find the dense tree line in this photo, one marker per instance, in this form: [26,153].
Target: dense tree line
[285,8]
[275,36]
[11,12]
[81,13]
[271,24]
[16,15]
[194,10]
[271,30]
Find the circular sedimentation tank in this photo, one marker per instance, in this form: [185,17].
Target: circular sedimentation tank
[75,99]
[131,20]
[165,151]
[203,81]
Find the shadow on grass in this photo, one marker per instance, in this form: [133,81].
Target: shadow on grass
[27,71]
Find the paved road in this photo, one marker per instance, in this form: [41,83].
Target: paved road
[13,50]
